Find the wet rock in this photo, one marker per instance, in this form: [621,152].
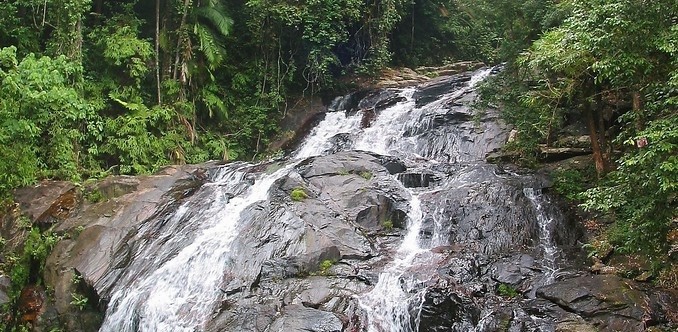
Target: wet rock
[31,304]
[379,100]
[295,318]
[514,270]
[392,164]
[340,142]
[433,89]
[443,310]
[610,303]
[417,180]
[484,210]
[103,234]
[48,202]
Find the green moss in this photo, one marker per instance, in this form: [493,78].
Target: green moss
[366,175]
[387,224]
[325,266]
[94,196]
[507,291]
[298,194]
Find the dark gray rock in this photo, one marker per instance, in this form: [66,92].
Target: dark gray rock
[417,180]
[295,318]
[435,88]
[48,202]
[611,303]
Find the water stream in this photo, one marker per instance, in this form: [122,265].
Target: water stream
[179,291]
[546,224]
[388,304]
[181,294]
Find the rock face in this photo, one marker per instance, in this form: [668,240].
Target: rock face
[302,244]
[101,247]
[611,303]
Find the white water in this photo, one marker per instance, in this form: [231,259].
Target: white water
[318,141]
[545,222]
[391,306]
[387,305]
[182,294]
[386,132]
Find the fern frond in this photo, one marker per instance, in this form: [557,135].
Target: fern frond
[217,18]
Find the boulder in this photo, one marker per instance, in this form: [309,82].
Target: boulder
[611,303]
[296,318]
[48,202]
[103,236]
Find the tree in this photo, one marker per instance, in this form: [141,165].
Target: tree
[41,117]
[604,51]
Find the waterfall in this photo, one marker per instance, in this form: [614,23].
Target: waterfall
[318,141]
[182,293]
[175,282]
[388,304]
[387,131]
[545,221]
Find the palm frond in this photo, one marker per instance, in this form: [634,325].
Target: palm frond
[214,14]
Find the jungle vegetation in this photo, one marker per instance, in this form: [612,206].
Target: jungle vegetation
[92,87]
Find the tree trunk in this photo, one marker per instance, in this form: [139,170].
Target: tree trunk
[637,108]
[157,49]
[595,145]
[598,111]
[596,129]
[178,66]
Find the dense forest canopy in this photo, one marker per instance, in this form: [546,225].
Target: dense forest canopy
[93,87]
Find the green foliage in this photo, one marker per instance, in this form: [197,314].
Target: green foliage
[30,261]
[79,301]
[366,175]
[298,194]
[507,291]
[325,266]
[94,196]
[641,193]
[387,224]
[42,117]
[571,183]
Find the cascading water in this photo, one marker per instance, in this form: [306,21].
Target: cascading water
[545,221]
[388,304]
[181,294]
[182,288]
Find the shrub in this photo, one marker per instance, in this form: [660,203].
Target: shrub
[325,265]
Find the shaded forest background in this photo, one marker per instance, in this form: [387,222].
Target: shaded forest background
[92,87]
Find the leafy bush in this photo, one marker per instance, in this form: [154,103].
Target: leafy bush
[571,183]
[641,193]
